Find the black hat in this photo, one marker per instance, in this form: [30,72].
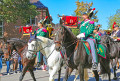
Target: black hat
[89,12]
[116,26]
[97,27]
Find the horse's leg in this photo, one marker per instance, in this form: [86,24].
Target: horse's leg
[53,71]
[59,72]
[51,77]
[67,73]
[81,72]
[114,68]
[104,66]
[23,73]
[76,75]
[32,73]
[96,75]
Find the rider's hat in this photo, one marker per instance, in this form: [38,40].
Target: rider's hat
[116,26]
[97,27]
[41,21]
[89,12]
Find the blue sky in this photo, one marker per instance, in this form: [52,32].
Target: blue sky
[105,8]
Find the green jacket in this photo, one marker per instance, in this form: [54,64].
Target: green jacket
[41,32]
[87,28]
[97,37]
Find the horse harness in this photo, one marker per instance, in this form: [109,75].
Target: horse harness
[40,49]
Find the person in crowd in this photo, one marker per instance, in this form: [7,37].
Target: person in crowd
[20,63]
[15,57]
[1,54]
[7,55]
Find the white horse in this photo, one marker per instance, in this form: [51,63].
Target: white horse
[46,47]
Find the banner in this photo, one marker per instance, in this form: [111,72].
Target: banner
[70,21]
[27,29]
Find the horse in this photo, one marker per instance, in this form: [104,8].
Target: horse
[22,49]
[76,56]
[47,48]
[113,51]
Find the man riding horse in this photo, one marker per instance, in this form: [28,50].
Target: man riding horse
[116,33]
[41,31]
[86,30]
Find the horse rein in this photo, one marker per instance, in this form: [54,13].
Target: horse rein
[40,49]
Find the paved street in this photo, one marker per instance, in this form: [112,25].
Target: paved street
[44,75]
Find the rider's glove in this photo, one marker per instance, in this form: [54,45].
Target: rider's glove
[81,35]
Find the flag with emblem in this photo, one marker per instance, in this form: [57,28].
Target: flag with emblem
[70,21]
[27,29]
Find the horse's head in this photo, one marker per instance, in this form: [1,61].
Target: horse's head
[63,37]
[106,39]
[32,47]
[59,38]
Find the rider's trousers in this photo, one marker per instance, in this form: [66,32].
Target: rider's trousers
[93,50]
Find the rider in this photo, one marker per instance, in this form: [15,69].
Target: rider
[41,31]
[97,35]
[86,30]
[116,33]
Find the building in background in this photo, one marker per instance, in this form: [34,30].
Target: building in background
[11,30]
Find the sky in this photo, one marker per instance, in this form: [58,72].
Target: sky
[106,8]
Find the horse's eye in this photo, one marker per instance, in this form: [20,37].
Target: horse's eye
[33,45]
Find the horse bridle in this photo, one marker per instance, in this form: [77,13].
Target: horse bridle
[37,45]
[73,42]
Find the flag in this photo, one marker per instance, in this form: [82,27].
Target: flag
[70,21]
[27,29]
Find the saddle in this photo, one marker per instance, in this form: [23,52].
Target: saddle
[101,50]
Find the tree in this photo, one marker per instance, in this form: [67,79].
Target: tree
[114,18]
[83,7]
[12,10]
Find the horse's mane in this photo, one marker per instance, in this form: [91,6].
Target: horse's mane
[46,40]
[73,36]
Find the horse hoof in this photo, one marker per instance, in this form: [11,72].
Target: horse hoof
[115,78]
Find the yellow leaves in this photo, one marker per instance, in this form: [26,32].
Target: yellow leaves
[83,7]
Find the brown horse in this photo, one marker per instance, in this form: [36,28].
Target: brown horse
[22,49]
[76,56]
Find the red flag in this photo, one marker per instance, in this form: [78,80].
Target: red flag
[114,25]
[70,21]
[27,29]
